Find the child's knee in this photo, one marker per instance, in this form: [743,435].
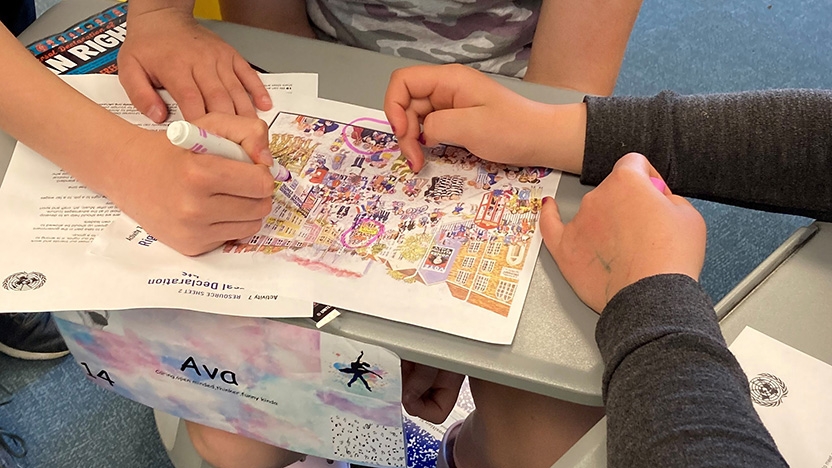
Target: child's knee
[226,450]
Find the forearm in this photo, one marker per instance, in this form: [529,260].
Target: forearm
[74,137]
[580,44]
[287,16]
[563,148]
[673,391]
[769,150]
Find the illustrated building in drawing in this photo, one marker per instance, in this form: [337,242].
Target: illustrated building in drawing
[347,208]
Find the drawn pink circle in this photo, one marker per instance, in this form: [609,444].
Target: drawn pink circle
[346,234]
[351,124]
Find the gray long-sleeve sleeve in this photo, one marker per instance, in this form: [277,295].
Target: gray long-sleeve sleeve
[674,393]
[768,150]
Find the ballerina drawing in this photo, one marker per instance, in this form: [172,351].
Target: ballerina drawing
[358,369]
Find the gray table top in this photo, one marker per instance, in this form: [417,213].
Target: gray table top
[794,303]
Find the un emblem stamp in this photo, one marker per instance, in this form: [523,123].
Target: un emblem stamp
[24,281]
[767,390]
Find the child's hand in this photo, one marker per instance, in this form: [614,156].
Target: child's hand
[460,106]
[195,202]
[167,48]
[625,230]
[429,393]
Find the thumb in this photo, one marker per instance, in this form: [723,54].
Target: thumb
[551,226]
[140,90]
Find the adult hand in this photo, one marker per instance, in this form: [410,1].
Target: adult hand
[429,393]
[460,106]
[167,48]
[625,230]
[195,202]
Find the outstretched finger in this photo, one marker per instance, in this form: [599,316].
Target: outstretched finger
[243,104]
[215,94]
[140,90]
[185,91]
[252,83]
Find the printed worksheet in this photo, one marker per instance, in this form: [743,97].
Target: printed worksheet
[451,248]
[297,388]
[789,391]
[49,218]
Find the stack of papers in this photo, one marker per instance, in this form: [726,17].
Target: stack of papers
[451,248]
[46,266]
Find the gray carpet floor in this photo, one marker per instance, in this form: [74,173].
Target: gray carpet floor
[694,46]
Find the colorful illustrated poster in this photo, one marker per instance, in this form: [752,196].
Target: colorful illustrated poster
[90,46]
[451,248]
[289,386]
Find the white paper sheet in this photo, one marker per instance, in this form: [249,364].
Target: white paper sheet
[49,218]
[451,248]
[790,390]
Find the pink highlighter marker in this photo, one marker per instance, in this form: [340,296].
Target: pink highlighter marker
[189,136]
[658,183]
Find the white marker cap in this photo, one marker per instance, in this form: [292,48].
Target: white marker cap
[179,131]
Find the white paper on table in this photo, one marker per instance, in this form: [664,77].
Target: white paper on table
[342,231]
[49,218]
[790,390]
[108,93]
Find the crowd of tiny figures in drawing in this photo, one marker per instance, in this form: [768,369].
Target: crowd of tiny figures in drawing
[354,194]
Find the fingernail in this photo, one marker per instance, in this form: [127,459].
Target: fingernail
[393,128]
[410,165]
[548,200]
[155,114]
[266,156]
[658,183]
[265,101]
[422,138]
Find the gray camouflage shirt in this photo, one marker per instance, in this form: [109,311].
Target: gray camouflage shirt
[490,35]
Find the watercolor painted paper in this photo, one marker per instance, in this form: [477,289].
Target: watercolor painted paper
[289,386]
